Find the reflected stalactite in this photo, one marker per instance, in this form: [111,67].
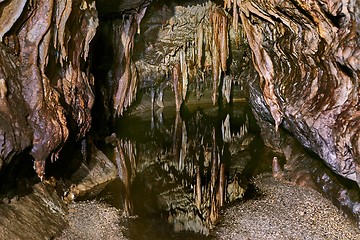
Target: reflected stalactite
[222,182]
[198,188]
[215,187]
[226,88]
[178,142]
[226,130]
[128,164]
[185,168]
[125,158]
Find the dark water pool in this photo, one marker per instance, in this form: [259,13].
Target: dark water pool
[177,171]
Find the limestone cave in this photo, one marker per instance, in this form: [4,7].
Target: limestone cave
[183,119]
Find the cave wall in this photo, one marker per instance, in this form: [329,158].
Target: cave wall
[46,87]
[304,76]
[306,56]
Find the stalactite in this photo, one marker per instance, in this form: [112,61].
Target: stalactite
[3,89]
[184,71]
[219,49]
[199,44]
[177,84]
[235,16]
[216,72]
[125,72]
[223,38]
[127,34]
[9,14]
[63,11]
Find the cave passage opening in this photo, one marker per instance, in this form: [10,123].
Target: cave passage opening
[166,41]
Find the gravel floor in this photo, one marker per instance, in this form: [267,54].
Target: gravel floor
[285,211]
[92,220]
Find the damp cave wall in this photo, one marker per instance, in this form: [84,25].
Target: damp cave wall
[303,76]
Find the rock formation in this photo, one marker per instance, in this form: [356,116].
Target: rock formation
[306,56]
[46,85]
[304,74]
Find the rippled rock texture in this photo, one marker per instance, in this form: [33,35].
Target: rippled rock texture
[306,55]
[45,84]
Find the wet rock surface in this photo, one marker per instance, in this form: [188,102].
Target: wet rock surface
[40,210]
[305,57]
[90,177]
[46,87]
[36,212]
[285,211]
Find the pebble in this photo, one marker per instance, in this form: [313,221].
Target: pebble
[285,211]
[92,220]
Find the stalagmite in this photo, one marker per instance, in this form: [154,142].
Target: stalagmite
[276,168]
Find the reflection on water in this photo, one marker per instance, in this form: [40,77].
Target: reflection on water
[183,169]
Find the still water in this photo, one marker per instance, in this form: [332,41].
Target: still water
[177,171]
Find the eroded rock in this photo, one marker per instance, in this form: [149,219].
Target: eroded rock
[45,88]
[307,75]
